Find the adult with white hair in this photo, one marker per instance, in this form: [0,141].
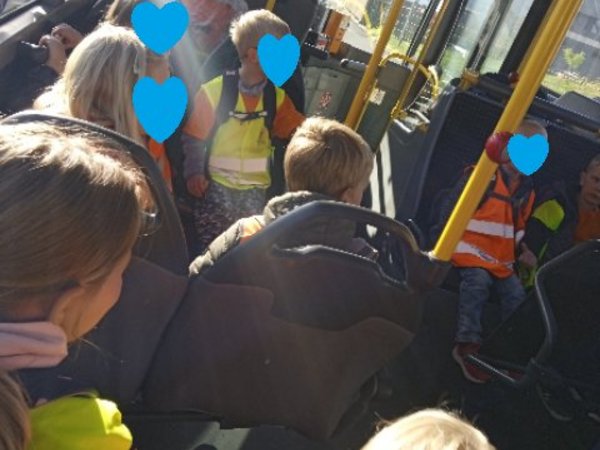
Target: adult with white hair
[210,20]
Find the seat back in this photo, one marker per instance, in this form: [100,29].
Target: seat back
[559,320]
[455,141]
[288,336]
[166,247]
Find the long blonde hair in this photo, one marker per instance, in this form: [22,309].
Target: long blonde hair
[97,84]
[429,429]
[14,415]
[119,12]
[70,211]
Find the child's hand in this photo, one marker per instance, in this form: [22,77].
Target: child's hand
[527,258]
[197,185]
[68,35]
[57,57]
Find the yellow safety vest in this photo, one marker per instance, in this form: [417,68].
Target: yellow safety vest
[78,422]
[241,149]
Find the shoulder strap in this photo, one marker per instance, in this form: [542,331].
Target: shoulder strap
[228,99]
[227,102]
[489,192]
[270,104]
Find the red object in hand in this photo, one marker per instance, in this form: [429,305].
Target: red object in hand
[495,145]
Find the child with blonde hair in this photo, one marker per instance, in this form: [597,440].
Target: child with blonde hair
[325,160]
[71,215]
[15,431]
[98,81]
[227,139]
[430,429]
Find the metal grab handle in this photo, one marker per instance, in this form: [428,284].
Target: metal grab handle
[422,271]
[308,214]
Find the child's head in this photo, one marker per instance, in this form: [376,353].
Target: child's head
[329,158]
[430,429]
[589,180]
[15,431]
[97,84]
[71,212]
[250,27]
[527,128]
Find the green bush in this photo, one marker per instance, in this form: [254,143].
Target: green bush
[573,60]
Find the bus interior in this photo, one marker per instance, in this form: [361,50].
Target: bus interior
[439,89]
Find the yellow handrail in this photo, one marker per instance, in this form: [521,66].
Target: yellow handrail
[364,89]
[431,76]
[427,73]
[401,103]
[270,5]
[542,55]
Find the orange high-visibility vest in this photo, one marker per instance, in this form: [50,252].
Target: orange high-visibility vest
[493,234]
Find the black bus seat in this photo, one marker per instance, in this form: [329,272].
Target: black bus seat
[115,356]
[460,125]
[561,318]
[319,323]
[167,246]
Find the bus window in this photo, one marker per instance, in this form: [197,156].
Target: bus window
[371,15]
[7,6]
[577,64]
[464,38]
[505,34]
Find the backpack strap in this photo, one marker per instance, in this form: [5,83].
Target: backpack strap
[269,105]
[227,100]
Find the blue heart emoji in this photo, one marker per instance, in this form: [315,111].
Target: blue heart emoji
[160,28]
[528,154]
[278,57]
[159,107]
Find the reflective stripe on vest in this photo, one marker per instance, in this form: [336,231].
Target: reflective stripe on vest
[241,149]
[493,229]
[490,239]
[464,247]
[239,165]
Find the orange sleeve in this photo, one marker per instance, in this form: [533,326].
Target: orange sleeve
[202,117]
[159,154]
[286,120]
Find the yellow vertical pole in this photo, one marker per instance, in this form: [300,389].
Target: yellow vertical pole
[364,89]
[542,55]
[399,107]
[270,4]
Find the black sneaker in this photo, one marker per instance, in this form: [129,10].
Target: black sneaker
[560,407]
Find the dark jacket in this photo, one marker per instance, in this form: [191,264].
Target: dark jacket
[30,86]
[548,240]
[333,233]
